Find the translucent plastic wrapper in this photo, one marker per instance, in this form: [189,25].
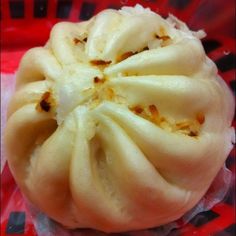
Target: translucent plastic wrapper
[46,227]
[7,89]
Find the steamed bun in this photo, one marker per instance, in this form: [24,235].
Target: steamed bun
[119,123]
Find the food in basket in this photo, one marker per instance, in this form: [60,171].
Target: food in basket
[119,123]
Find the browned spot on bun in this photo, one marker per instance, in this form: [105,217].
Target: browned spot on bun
[46,102]
[100,63]
[162,31]
[145,49]
[154,111]
[76,41]
[98,80]
[125,56]
[193,134]
[183,124]
[136,109]
[200,118]
[110,93]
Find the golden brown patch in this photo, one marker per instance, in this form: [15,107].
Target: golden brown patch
[185,127]
[162,35]
[183,124]
[98,80]
[46,102]
[136,109]
[154,112]
[193,133]
[76,41]
[145,49]
[162,119]
[188,127]
[110,93]
[162,31]
[100,63]
[150,113]
[200,118]
[164,38]
[125,56]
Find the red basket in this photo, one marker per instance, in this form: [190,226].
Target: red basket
[27,23]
